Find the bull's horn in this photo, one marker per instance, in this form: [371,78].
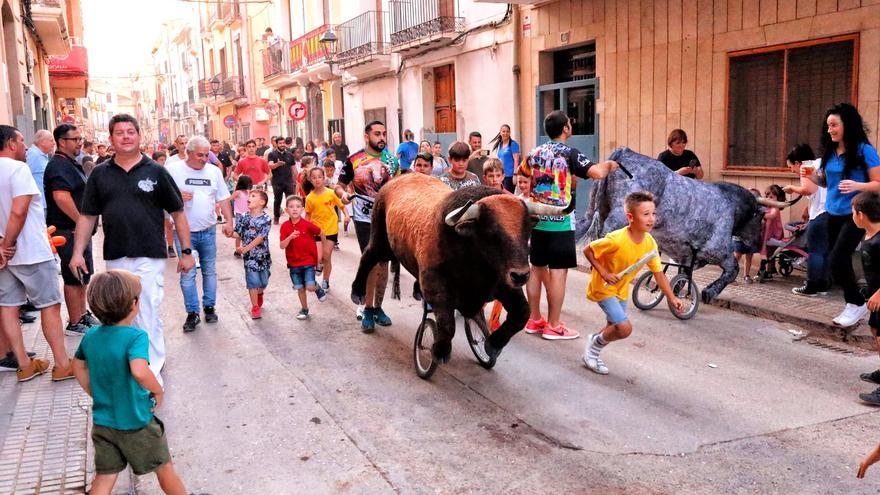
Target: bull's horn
[467,212]
[548,210]
[777,204]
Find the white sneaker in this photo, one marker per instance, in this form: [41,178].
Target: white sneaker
[359,314]
[855,314]
[843,314]
[595,365]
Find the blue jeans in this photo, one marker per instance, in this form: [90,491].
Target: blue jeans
[256,279]
[302,276]
[818,267]
[205,243]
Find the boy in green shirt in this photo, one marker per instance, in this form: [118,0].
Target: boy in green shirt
[112,366]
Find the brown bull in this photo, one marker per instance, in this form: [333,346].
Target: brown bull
[465,248]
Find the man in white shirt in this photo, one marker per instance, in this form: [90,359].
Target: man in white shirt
[202,187]
[180,157]
[27,264]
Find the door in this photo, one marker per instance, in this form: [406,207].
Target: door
[578,100]
[444,98]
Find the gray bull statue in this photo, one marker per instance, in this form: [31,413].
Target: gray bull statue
[694,218]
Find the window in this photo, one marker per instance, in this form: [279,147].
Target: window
[575,64]
[777,98]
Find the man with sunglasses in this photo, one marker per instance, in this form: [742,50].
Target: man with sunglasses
[65,182]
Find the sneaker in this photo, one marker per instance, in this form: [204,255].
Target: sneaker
[303,314]
[325,284]
[60,374]
[76,329]
[560,332]
[359,313]
[236,254]
[192,321]
[9,363]
[319,268]
[28,307]
[805,291]
[595,365]
[872,377]
[851,315]
[210,315]
[260,299]
[336,247]
[89,319]
[872,397]
[381,318]
[321,293]
[256,313]
[367,323]
[26,318]
[171,252]
[536,326]
[38,367]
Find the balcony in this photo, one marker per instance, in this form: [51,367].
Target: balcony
[69,74]
[419,23]
[363,39]
[276,59]
[220,12]
[48,19]
[232,88]
[297,61]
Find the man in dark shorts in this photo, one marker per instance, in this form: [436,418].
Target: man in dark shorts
[552,249]
[65,182]
[364,173]
[281,164]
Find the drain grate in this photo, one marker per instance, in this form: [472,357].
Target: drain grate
[831,346]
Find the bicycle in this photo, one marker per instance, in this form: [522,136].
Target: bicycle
[423,357]
[647,294]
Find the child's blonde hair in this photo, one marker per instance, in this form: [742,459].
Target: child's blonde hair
[112,293]
[492,165]
[633,200]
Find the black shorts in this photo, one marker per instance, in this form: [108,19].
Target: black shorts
[333,237]
[362,229]
[874,322]
[65,252]
[552,249]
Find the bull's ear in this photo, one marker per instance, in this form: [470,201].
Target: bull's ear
[467,228]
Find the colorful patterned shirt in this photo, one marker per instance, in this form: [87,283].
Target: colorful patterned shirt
[368,173]
[551,166]
[249,228]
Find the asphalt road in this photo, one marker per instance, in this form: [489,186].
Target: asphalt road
[278,406]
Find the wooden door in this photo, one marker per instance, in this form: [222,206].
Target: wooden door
[444,98]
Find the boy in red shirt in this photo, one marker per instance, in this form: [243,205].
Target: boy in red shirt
[298,243]
[253,166]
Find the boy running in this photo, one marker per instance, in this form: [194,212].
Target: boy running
[611,255]
[297,241]
[253,230]
[866,215]
[321,206]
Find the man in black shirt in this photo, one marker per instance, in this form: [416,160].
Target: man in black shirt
[65,182]
[131,192]
[262,147]
[340,147]
[225,157]
[281,163]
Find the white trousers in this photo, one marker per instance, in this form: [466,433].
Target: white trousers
[151,271]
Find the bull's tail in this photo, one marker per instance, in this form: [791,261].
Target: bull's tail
[395,283]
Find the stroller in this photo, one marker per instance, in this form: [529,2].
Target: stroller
[791,254]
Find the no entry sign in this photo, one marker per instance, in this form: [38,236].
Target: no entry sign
[297,110]
[229,121]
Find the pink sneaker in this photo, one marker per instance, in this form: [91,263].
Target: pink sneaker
[560,332]
[256,313]
[536,326]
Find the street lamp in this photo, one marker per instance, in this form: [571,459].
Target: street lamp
[329,40]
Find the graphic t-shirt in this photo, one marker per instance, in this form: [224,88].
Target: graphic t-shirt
[302,250]
[617,252]
[321,209]
[836,202]
[551,166]
[469,179]
[249,228]
[407,151]
[675,162]
[32,245]
[207,187]
[254,167]
[368,173]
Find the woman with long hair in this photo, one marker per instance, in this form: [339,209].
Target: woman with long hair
[507,150]
[849,165]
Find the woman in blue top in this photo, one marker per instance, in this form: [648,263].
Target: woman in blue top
[849,165]
[507,150]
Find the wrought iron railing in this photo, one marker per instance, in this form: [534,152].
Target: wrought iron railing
[313,50]
[232,87]
[363,37]
[276,59]
[413,20]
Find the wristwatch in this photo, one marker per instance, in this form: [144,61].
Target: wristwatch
[187,251]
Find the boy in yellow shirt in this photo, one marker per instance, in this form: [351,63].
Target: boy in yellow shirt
[321,206]
[610,256]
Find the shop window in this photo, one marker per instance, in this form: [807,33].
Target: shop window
[778,97]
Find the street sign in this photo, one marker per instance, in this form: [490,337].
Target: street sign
[297,110]
[229,121]
[68,119]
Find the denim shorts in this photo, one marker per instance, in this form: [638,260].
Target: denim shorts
[256,279]
[615,310]
[302,276]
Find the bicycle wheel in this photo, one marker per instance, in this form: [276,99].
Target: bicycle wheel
[477,340]
[686,290]
[646,293]
[423,356]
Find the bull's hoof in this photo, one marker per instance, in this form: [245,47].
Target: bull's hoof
[442,351]
[358,297]
[491,351]
[707,296]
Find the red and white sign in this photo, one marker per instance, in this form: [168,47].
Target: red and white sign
[68,119]
[229,121]
[298,110]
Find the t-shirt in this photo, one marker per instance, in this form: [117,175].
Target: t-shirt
[302,250]
[439,166]
[119,401]
[254,167]
[869,254]
[262,150]
[407,152]
[838,203]
[341,150]
[37,161]
[249,228]
[505,154]
[321,209]
[675,162]
[32,245]
[469,179]
[171,160]
[63,174]
[817,199]
[368,173]
[208,189]
[283,174]
[617,252]
[131,205]
[551,166]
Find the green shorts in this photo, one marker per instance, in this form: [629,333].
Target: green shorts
[145,449]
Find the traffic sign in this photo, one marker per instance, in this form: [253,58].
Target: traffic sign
[298,110]
[229,121]
[68,119]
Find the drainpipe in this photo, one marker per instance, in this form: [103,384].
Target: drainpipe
[517,93]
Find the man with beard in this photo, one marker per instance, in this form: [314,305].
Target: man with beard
[364,173]
[281,162]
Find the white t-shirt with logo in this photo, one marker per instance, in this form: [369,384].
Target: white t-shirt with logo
[207,187]
[32,245]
